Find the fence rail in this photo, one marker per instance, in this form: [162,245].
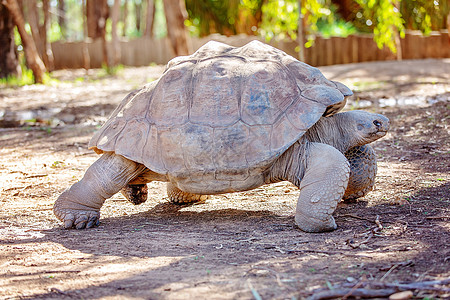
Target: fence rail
[325,51]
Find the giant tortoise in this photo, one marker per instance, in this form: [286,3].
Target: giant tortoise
[228,119]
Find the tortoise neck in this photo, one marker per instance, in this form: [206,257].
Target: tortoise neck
[331,130]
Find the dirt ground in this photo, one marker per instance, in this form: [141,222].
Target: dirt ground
[234,246]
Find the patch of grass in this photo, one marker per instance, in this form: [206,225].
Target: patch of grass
[360,86]
[27,78]
[110,71]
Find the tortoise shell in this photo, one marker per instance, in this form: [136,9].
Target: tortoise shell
[222,110]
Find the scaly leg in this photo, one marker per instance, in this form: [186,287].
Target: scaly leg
[363,169]
[79,206]
[321,188]
[177,196]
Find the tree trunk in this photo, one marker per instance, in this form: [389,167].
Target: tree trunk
[9,64]
[114,38]
[48,53]
[31,54]
[125,18]
[32,15]
[137,10]
[86,56]
[97,12]
[150,17]
[39,31]
[176,14]
[62,18]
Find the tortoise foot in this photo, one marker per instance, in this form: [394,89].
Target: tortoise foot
[135,193]
[78,219]
[177,196]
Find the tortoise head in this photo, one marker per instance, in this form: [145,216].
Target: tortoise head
[362,127]
[348,129]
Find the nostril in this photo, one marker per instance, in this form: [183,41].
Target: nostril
[377,123]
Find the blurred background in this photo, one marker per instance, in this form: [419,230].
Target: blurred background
[47,35]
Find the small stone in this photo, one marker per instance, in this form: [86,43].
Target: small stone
[350,279]
[401,295]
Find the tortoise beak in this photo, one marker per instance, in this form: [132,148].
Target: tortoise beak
[382,125]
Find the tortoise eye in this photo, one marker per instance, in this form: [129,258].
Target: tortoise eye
[377,123]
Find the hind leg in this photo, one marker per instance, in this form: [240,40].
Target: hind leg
[177,196]
[135,193]
[363,169]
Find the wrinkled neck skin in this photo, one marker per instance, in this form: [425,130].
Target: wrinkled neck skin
[334,131]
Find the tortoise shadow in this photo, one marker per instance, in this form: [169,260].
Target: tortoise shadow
[227,241]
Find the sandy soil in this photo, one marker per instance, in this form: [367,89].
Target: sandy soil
[234,246]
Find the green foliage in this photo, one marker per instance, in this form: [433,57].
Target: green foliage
[386,19]
[210,16]
[425,15]
[337,28]
[280,19]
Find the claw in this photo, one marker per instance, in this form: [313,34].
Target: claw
[81,221]
[93,221]
[81,225]
[68,221]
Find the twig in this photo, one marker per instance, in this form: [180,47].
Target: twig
[379,289]
[42,209]
[314,251]
[353,289]
[401,264]
[55,290]
[324,252]
[20,188]
[365,293]
[36,176]
[423,285]
[44,272]
[356,217]
[377,221]
[437,217]
[254,291]
[371,234]
[361,243]
[389,272]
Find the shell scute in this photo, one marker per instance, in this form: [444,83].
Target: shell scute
[169,102]
[266,93]
[134,133]
[304,113]
[215,101]
[229,149]
[282,135]
[151,153]
[197,144]
[258,148]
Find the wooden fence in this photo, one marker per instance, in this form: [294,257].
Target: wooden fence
[325,51]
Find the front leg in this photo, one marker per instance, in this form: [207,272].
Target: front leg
[79,206]
[322,187]
[363,169]
[321,172]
